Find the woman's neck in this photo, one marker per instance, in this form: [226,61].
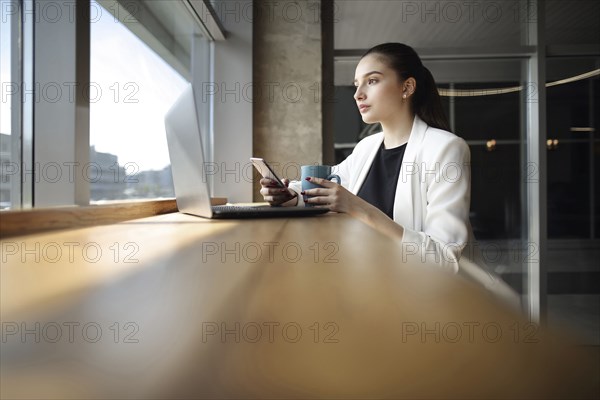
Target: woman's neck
[397,131]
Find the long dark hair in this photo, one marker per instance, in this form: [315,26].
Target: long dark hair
[426,102]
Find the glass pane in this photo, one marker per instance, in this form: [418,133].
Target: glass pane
[347,122]
[573,113]
[571,121]
[595,137]
[8,163]
[497,116]
[486,102]
[569,212]
[487,114]
[568,93]
[495,192]
[132,89]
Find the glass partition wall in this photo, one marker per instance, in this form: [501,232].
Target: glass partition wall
[485,107]
[521,87]
[573,151]
[485,102]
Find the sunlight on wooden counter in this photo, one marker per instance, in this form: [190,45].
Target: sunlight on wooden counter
[315,307]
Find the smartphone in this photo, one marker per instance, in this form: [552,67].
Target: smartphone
[266,171]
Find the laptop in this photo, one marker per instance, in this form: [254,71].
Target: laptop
[189,175]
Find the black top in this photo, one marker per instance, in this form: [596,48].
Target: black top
[379,187]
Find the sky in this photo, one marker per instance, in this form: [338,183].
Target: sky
[126,71]
[132,89]
[4,70]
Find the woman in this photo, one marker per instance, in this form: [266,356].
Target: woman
[412,181]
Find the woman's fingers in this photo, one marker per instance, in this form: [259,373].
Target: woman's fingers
[273,193]
[318,196]
[266,182]
[320,181]
[268,191]
[319,192]
[276,196]
[317,200]
[331,195]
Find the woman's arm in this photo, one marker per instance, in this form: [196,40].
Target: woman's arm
[339,199]
[447,196]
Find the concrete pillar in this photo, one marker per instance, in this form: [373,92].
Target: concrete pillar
[288,85]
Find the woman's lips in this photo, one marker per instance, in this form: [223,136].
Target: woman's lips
[363,107]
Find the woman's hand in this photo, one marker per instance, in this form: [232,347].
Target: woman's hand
[331,195]
[337,198]
[275,194]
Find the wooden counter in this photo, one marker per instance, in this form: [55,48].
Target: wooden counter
[175,306]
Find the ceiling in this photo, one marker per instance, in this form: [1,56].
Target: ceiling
[360,24]
[458,27]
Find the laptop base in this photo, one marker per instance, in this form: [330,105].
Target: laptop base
[238,212]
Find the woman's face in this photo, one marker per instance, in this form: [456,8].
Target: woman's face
[378,90]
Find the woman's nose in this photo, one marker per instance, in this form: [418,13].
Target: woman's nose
[359,94]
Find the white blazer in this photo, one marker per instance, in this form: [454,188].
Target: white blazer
[432,201]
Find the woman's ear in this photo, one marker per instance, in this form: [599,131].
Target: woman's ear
[409,86]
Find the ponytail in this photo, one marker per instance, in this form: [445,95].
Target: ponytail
[427,103]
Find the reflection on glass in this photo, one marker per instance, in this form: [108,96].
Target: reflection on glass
[488,117]
[491,124]
[571,122]
[573,160]
[132,88]
[569,190]
[595,138]
[495,192]
[7,165]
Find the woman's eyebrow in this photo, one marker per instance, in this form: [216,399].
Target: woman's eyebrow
[367,74]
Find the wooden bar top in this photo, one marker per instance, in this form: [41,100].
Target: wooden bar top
[175,306]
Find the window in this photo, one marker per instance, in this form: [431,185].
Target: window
[140,56]
[7,159]
[134,88]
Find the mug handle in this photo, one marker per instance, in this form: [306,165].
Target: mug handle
[334,176]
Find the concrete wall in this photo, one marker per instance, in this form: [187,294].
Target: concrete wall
[232,108]
[288,82]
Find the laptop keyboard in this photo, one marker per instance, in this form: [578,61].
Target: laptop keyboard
[238,208]
[264,211]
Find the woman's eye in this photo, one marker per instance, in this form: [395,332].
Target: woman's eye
[371,81]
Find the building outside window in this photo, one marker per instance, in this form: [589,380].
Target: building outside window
[135,88]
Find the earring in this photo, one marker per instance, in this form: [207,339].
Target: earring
[403,96]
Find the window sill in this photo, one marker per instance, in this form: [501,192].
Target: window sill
[24,222]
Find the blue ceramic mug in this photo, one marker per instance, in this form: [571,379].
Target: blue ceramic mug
[317,171]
